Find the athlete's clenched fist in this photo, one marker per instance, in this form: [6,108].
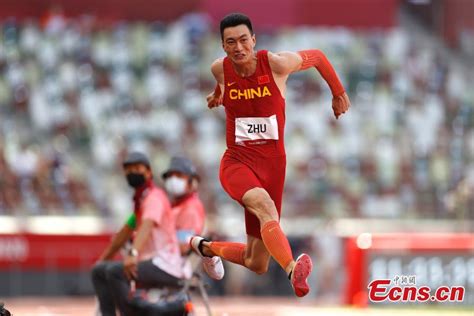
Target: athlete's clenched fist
[215,98]
[340,104]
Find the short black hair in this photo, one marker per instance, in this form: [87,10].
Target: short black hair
[235,19]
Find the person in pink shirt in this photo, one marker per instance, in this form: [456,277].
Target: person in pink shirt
[154,259]
[181,182]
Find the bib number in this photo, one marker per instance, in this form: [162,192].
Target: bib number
[255,128]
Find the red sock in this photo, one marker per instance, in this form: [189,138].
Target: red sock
[276,243]
[230,251]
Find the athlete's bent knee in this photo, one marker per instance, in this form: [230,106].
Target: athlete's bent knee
[256,266]
[260,203]
[261,270]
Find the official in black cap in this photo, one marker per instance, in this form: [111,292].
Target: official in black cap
[152,225]
[137,170]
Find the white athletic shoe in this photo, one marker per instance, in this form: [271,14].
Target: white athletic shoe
[213,266]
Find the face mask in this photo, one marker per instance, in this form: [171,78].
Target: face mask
[135,180]
[175,186]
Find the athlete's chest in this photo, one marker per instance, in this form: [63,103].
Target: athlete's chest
[255,93]
[255,88]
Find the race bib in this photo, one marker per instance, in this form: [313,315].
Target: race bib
[255,128]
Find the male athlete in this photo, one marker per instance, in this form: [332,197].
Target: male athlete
[252,169]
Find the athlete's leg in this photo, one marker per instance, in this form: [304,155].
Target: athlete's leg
[258,202]
[253,255]
[236,178]
[263,209]
[241,182]
[262,221]
[230,251]
[257,256]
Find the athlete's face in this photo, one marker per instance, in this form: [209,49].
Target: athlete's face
[238,43]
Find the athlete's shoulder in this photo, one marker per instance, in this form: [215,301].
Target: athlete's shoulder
[217,65]
[217,69]
[284,62]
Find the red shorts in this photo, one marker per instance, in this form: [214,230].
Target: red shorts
[238,175]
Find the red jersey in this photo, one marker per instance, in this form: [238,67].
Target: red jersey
[255,111]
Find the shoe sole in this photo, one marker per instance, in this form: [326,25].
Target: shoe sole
[300,274]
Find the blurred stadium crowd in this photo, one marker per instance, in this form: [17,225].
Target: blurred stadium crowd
[75,95]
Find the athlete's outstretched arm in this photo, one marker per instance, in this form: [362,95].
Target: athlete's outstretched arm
[285,63]
[215,98]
